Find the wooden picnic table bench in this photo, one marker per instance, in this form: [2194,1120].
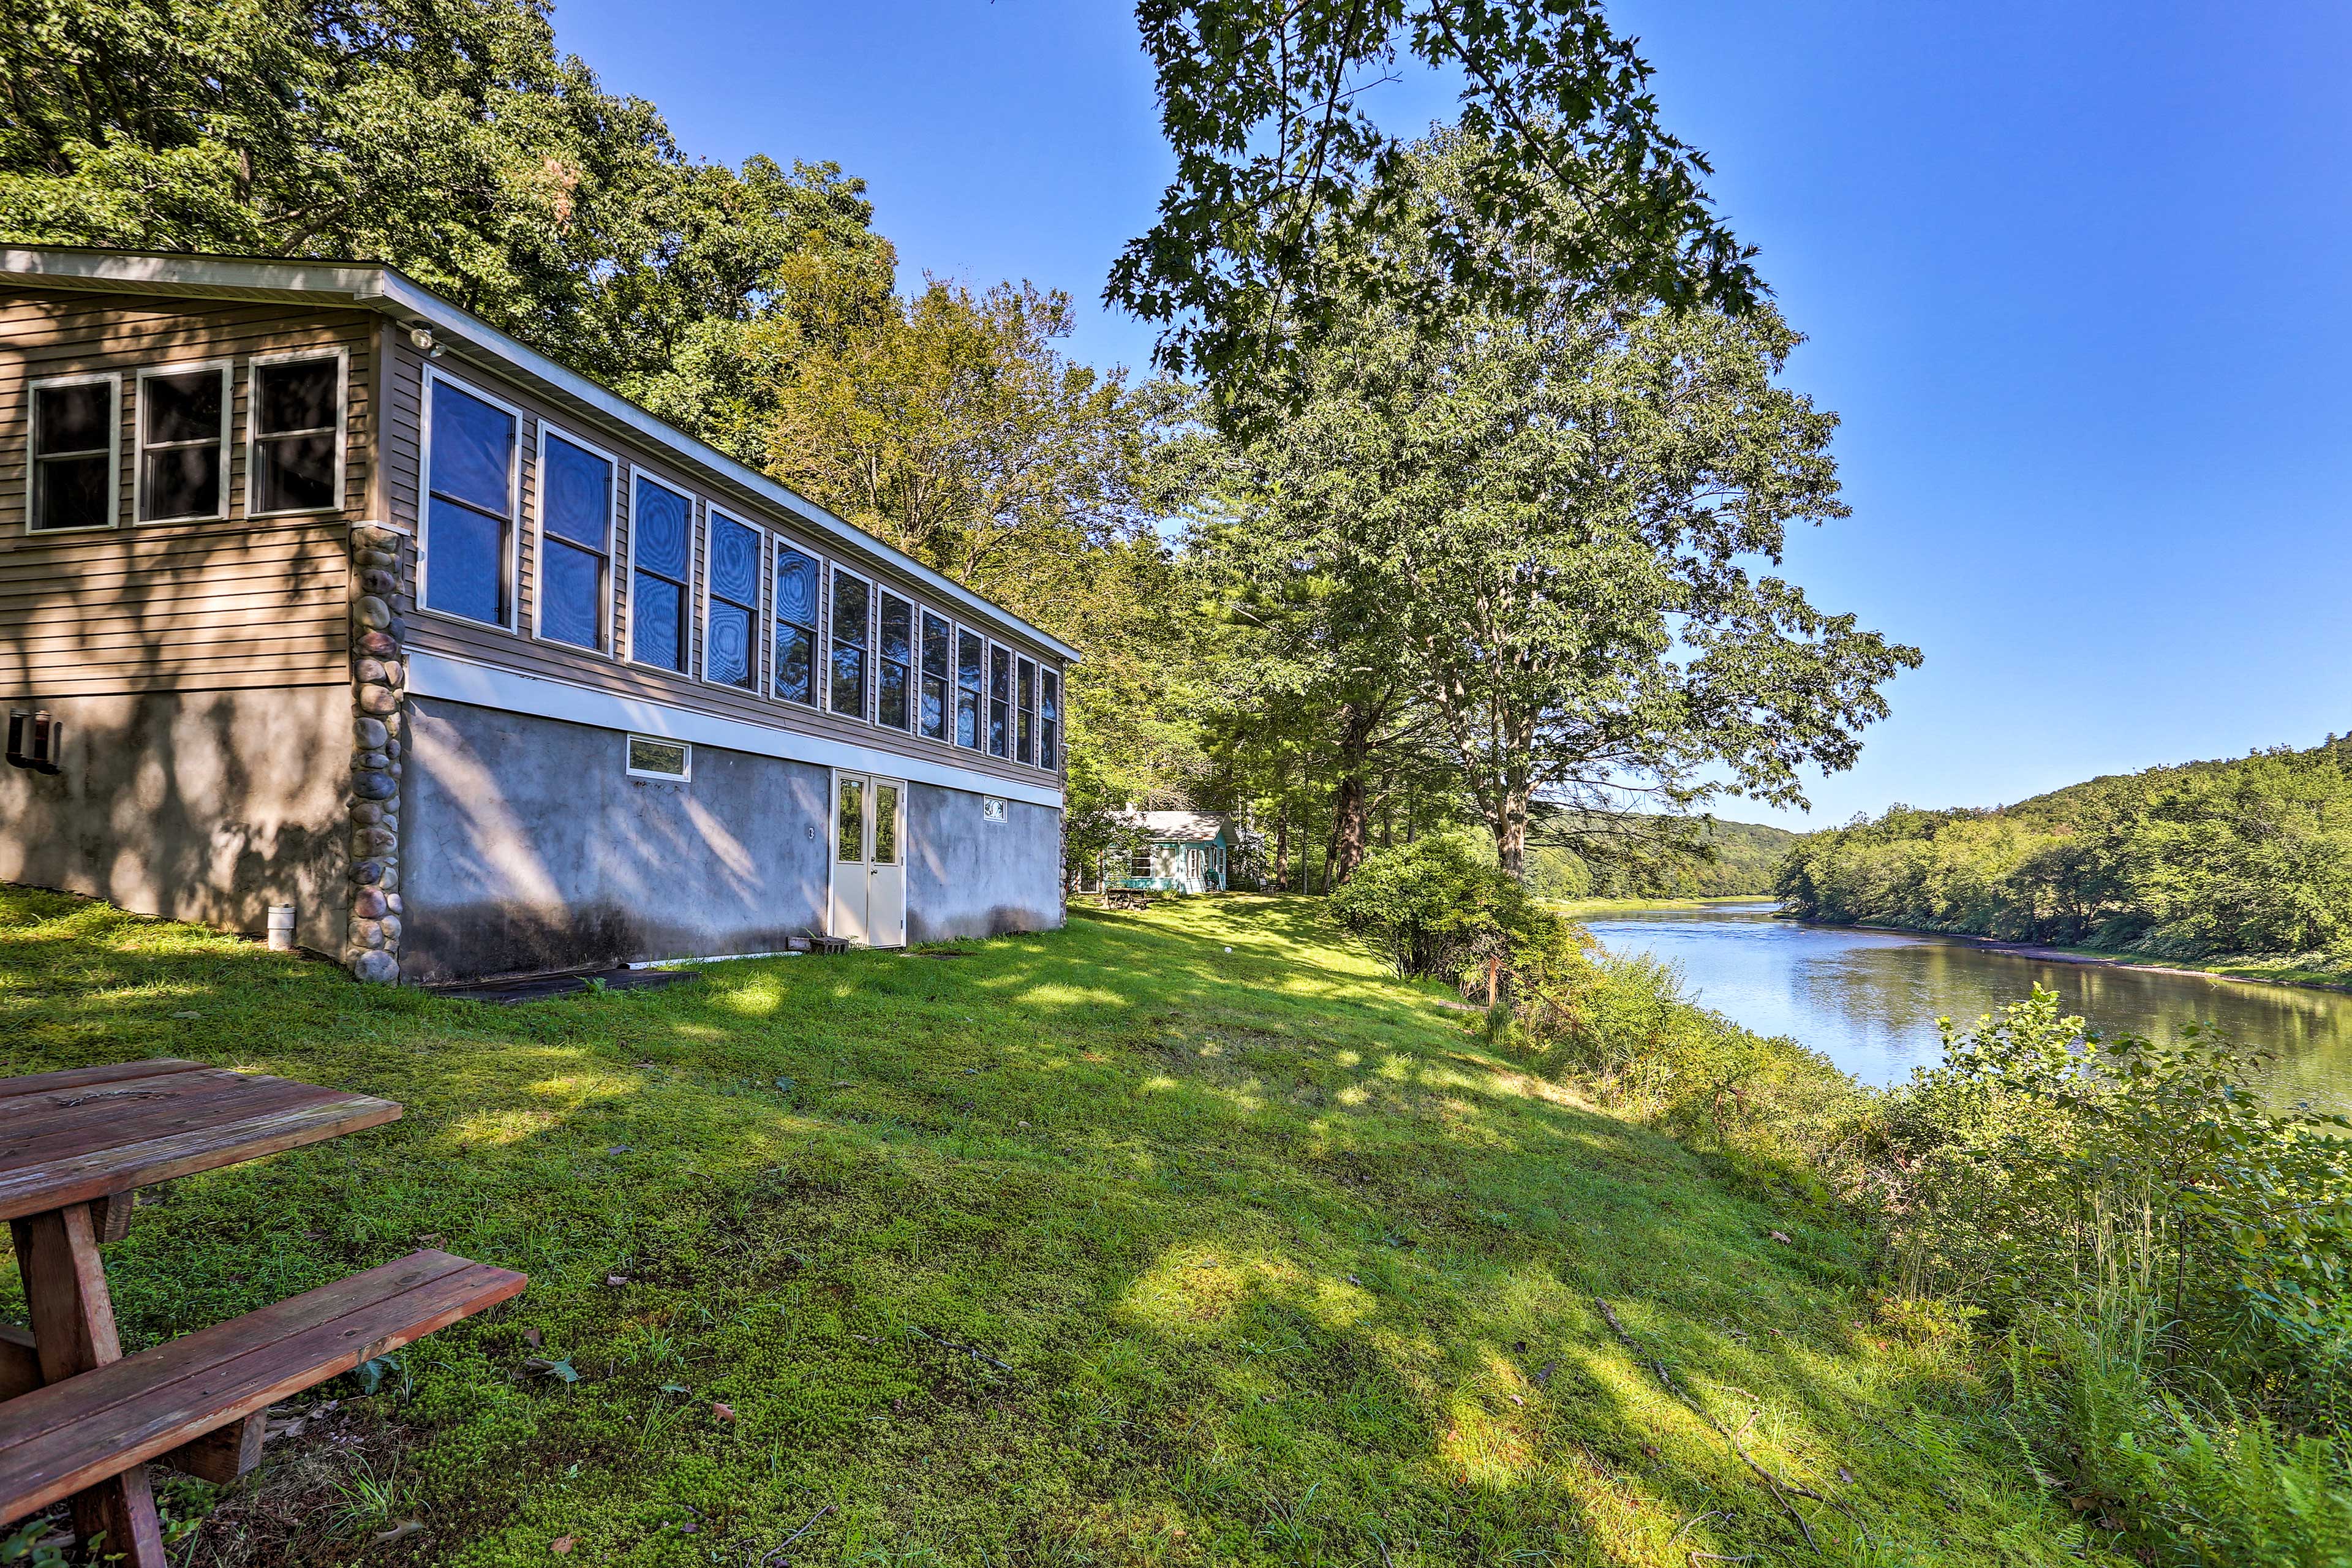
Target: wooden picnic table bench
[80,1421]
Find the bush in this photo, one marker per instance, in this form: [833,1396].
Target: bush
[1437,908]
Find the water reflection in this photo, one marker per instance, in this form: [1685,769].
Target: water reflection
[1869,1000]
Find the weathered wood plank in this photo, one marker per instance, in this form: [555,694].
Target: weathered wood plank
[20,1365]
[73,1337]
[62,1437]
[87,1077]
[223,1454]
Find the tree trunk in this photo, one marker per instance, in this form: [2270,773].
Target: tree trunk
[1282,849]
[1508,818]
[1348,803]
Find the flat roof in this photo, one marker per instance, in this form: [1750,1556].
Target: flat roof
[373,286]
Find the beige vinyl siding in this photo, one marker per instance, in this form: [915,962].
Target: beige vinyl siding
[614,672]
[173,606]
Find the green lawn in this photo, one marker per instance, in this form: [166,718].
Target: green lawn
[1179,1238]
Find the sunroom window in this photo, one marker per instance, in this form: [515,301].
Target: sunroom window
[796,595]
[661,557]
[894,671]
[969,650]
[729,654]
[932,716]
[1049,719]
[1024,741]
[470,511]
[575,544]
[1000,702]
[297,412]
[852,612]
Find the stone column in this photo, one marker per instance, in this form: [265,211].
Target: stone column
[379,688]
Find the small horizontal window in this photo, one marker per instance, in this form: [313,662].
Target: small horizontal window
[656,759]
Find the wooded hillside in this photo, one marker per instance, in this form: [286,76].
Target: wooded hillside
[2246,855]
[1739,857]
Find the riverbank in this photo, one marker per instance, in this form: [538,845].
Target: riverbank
[2252,969]
[1179,1238]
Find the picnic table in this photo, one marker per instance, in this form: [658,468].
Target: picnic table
[79,1420]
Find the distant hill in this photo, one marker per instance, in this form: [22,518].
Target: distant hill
[2239,855]
[1743,858]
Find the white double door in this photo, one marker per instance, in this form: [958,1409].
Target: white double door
[868,897]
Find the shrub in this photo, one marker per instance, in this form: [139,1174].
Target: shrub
[1435,908]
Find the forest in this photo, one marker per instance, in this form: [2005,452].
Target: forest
[2250,856]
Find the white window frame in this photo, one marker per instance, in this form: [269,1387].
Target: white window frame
[762,620]
[686,749]
[342,355]
[32,445]
[628,586]
[1030,712]
[988,647]
[538,539]
[434,378]
[946,736]
[820,653]
[913,725]
[1150,855]
[957,632]
[1059,722]
[226,443]
[873,612]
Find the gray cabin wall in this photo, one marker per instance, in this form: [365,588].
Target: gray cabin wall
[528,846]
[970,876]
[196,805]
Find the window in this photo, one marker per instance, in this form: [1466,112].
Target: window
[968,682]
[77,445]
[886,824]
[296,464]
[730,646]
[182,471]
[931,712]
[575,540]
[1138,862]
[852,603]
[651,758]
[796,579]
[470,511]
[1049,719]
[849,833]
[1000,700]
[661,547]
[1024,687]
[896,648]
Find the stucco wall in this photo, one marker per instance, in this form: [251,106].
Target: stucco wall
[968,876]
[527,846]
[198,806]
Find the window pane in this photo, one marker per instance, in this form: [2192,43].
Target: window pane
[734,561]
[897,628]
[999,728]
[572,594]
[473,449]
[999,673]
[795,588]
[967,718]
[850,843]
[76,493]
[661,533]
[849,680]
[934,713]
[301,396]
[935,645]
[886,825]
[1049,695]
[180,481]
[848,610]
[1049,744]
[968,682]
[657,756]
[1025,744]
[796,662]
[890,698]
[657,621]
[294,473]
[726,657]
[466,570]
[579,486]
[79,418]
[182,407]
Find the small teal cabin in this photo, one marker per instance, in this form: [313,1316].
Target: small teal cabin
[1185,852]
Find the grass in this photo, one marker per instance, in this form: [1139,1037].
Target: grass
[1180,1237]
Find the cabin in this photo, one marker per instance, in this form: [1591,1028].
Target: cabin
[1180,852]
[326,606]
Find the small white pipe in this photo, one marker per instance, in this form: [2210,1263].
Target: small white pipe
[281,928]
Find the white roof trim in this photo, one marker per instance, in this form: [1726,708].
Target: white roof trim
[382,289]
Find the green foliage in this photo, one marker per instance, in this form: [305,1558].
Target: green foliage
[1286,188]
[2253,856]
[1722,859]
[1437,908]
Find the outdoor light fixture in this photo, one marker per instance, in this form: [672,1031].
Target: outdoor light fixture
[420,338]
[35,741]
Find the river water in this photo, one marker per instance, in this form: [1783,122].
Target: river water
[1869,1000]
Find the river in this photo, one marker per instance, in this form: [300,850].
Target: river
[1869,1000]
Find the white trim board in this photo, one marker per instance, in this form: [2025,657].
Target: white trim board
[485,686]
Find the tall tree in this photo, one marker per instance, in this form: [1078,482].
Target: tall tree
[1288,193]
[1554,510]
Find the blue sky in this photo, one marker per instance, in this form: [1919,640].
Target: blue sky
[2077,277]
